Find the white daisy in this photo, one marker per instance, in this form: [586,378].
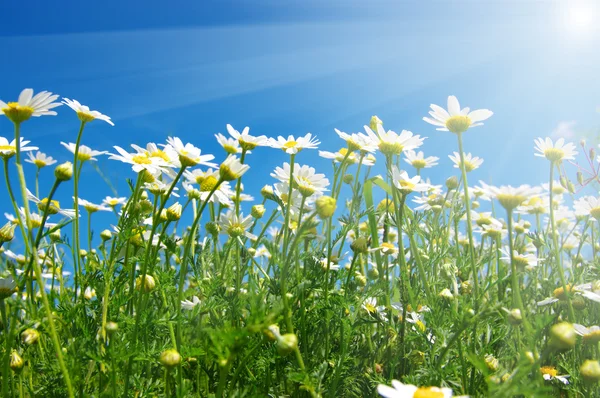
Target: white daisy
[511,197]
[232,169]
[141,161]
[85,153]
[235,226]
[231,145]
[399,390]
[189,155]
[91,207]
[454,119]
[40,159]
[339,156]
[587,206]
[53,207]
[555,151]
[293,145]
[113,202]
[550,372]
[167,153]
[29,105]
[406,184]
[190,304]
[357,141]
[8,149]
[522,260]
[391,143]
[247,141]
[84,113]
[308,181]
[419,161]
[471,162]
[207,180]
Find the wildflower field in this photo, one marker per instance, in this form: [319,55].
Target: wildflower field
[334,283]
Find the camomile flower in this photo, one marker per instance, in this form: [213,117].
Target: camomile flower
[357,141]
[292,204]
[158,187]
[231,145]
[53,207]
[471,162]
[590,334]
[536,204]
[35,219]
[91,207]
[113,202]
[557,188]
[430,202]
[522,260]
[141,161]
[419,161]
[189,155]
[399,390]
[167,153]
[190,304]
[235,226]
[550,372]
[511,197]
[371,307]
[454,119]
[308,182]
[406,184]
[207,181]
[555,151]
[343,155]
[292,146]
[587,206]
[29,105]
[84,113]
[283,173]
[586,290]
[9,149]
[391,143]
[262,252]
[386,248]
[7,287]
[247,142]
[232,169]
[40,159]
[85,153]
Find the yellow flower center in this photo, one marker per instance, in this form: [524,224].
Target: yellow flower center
[520,261]
[246,145]
[483,220]
[230,149]
[420,325]
[509,201]
[595,212]
[159,154]
[8,148]
[592,337]
[353,145]
[17,113]
[419,163]
[469,166]
[554,154]
[387,247]
[290,144]
[560,294]
[390,148]
[83,156]
[85,117]
[208,184]
[370,308]
[235,230]
[549,370]
[345,153]
[428,392]
[53,208]
[39,163]
[458,124]
[141,159]
[406,186]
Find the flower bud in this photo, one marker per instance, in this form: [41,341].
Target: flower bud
[55,236]
[148,284]
[514,317]
[348,178]
[272,332]
[83,253]
[446,294]
[563,336]
[30,336]
[212,228]
[325,206]
[267,192]
[590,371]
[174,212]
[373,273]
[112,328]
[491,362]
[257,211]
[361,280]
[286,344]
[452,183]
[16,361]
[64,171]
[375,121]
[106,235]
[360,245]
[580,178]
[475,205]
[7,232]
[170,358]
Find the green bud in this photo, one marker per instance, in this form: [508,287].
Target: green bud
[286,344]
[325,206]
[7,232]
[64,171]
[170,358]
[590,371]
[563,336]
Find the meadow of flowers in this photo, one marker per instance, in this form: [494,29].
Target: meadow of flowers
[335,283]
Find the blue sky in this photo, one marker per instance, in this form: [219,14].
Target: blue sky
[295,67]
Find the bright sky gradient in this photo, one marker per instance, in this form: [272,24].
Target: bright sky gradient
[189,68]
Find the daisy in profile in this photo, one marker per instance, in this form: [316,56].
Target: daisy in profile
[29,105]
[247,141]
[471,162]
[357,141]
[235,226]
[53,207]
[308,181]
[84,113]
[9,149]
[455,119]
[190,304]
[511,197]
[229,144]
[399,390]
[587,206]
[189,155]
[550,373]
[140,161]
[114,202]
[91,207]
[85,153]
[167,153]
[590,334]
[391,143]
[555,152]
[207,181]
[40,159]
[232,169]
[419,161]
[587,290]
[526,261]
[343,155]
[292,145]
[371,307]
[406,184]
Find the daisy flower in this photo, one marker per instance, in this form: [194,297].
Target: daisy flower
[511,197]
[586,290]
[522,260]
[292,204]
[308,181]
[555,151]
[391,143]
[84,113]
[235,226]
[405,184]
[429,202]
[189,155]
[587,206]
[29,105]
[140,161]
[8,149]
[371,307]
[53,207]
[343,155]
[167,153]
[471,162]
[537,204]
[190,304]
[557,188]
[113,202]
[7,287]
[590,335]
[85,153]
[207,181]
[454,119]
[40,159]
[232,169]
[293,145]
[231,145]
[91,207]
[245,140]
[419,161]
[399,390]
[357,141]
[550,372]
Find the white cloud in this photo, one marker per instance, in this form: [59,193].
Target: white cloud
[564,129]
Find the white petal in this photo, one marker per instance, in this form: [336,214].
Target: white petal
[453,106]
